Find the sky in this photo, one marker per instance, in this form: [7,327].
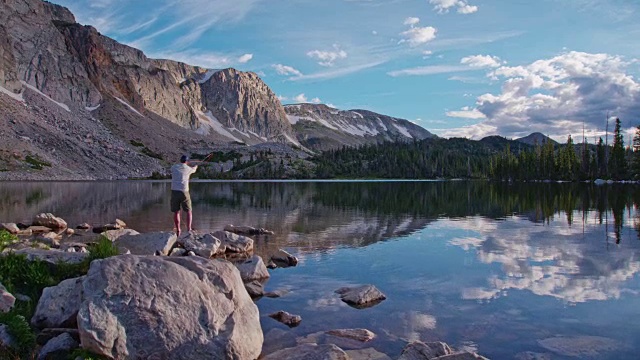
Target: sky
[458,68]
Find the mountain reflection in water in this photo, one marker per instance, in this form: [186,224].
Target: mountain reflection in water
[504,268]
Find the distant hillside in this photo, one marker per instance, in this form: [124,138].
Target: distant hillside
[320,127]
[536,139]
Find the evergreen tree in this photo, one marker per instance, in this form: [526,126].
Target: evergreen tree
[635,164]
[601,161]
[618,162]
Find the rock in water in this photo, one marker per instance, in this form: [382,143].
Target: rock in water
[309,351]
[147,243]
[6,299]
[461,356]
[114,235]
[247,230]
[286,318]
[58,306]
[168,308]
[361,296]
[50,221]
[363,335]
[253,269]
[284,259]
[417,350]
[233,243]
[206,245]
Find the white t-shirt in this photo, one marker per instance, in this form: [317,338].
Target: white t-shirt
[180,174]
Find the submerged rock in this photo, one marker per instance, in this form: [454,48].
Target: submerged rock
[363,335]
[418,350]
[361,296]
[580,346]
[367,354]
[168,308]
[50,221]
[247,230]
[461,356]
[286,318]
[309,351]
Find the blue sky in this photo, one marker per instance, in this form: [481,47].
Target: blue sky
[466,68]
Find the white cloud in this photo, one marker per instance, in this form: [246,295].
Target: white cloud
[374,32]
[334,73]
[466,113]
[443,6]
[327,58]
[316,100]
[193,57]
[482,61]
[301,98]
[411,21]
[282,98]
[418,35]
[429,70]
[286,70]
[555,96]
[245,58]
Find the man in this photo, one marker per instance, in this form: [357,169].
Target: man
[180,197]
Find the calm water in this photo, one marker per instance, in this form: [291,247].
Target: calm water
[501,269]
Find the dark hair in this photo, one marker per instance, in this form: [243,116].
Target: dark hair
[184,158]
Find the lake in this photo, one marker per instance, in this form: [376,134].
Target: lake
[508,270]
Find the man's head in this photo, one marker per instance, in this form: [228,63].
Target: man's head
[184,159]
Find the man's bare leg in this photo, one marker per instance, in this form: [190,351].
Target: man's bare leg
[176,221]
[189,220]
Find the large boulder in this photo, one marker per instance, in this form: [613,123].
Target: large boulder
[361,296]
[309,351]
[6,299]
[114,235]
[253,269]
[50,221]
[147,244]
[206,245]
[58,306]
[59,347]
[234,243]
[168,308]
[418,350]
[283,259]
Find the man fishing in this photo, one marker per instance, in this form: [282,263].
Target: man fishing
[180,198]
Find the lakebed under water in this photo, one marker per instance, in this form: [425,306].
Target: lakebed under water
[505,270]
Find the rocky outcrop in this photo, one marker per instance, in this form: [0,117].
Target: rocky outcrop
[253,269]
[58,306]
[205,245]
[320,127]
[50,221]
[233,243]
[147,243]
[168,307]
[361,296]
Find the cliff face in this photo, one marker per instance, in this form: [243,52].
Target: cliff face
[43,46]
[321,127]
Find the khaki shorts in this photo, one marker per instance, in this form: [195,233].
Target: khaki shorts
[179,200]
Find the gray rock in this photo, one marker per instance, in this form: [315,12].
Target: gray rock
[367,354]
[580,346]
[6,299]
[461,356]
[169,308]
[58,306]
[418,350]
[53,257]
[58,348]
[234,243]
[284,259]
[36,229]
[363,335]
[206,245]
[10,227]
[278,339]
[309,351]
[276,293]
[253,269]
[178,252]
[120,223]
[286,318]
[254,288]
[361,296]
[114,235]
[6,339]
[45,335]
[247,230]
[50,221]
[147,243]
[50,239]
[69,231]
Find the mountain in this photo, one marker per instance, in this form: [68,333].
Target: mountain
[75,104]
[320,127]
[536,139]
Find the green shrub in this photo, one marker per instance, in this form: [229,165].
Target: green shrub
[19,328]
[151,153]
[6,239]
[36,162]
[85,355]
[102,249]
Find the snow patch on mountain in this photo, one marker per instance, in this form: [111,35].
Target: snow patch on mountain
[207,76]
[64,106]
[12,94]
[129,106]
[209,123]
[403,130]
